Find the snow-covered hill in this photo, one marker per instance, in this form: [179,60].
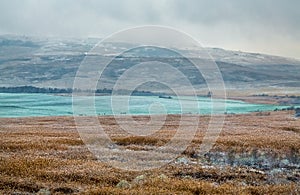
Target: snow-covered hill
[53,62]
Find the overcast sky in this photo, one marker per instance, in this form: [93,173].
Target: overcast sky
[265,26]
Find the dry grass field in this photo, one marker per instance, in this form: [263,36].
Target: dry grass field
[256,153]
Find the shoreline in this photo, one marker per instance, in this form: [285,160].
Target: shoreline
[272,100]
[145,115]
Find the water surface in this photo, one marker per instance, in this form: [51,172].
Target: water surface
[26,105]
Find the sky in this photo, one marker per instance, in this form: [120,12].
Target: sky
[261,26]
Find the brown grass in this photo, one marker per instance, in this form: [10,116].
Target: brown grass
[294,129]
[139,140]
[47,153]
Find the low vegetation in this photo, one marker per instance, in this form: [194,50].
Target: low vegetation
[39,156]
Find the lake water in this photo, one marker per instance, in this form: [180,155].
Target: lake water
[25,105]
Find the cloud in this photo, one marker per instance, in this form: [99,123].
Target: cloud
[256,25]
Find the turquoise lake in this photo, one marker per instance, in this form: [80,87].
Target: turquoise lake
[26,105]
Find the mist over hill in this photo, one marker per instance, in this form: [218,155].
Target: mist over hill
[53,62]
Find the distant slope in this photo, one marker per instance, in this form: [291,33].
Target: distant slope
[53,62]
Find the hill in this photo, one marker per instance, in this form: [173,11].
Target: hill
[53,62]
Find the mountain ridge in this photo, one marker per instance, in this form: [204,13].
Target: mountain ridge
[53,62]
